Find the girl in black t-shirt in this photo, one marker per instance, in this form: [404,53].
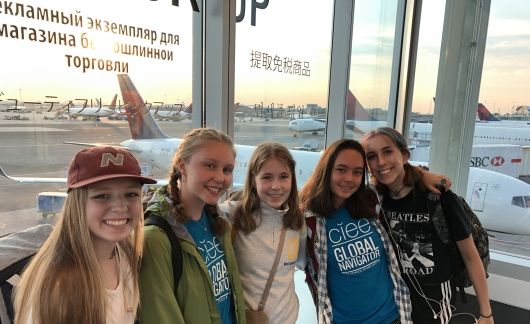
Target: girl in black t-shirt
[425,262]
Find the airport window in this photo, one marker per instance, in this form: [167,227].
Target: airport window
[371,66]
[281,74]
[66,88]
[502,91]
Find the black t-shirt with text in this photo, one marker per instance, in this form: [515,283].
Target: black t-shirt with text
[421,253]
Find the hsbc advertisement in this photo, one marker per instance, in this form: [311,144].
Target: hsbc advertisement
[502,158]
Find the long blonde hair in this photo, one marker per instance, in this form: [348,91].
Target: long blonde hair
[63,282]
[191,143]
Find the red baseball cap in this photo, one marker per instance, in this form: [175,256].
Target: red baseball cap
[101,163]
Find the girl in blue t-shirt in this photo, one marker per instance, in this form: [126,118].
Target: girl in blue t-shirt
[352,269]
[209,290]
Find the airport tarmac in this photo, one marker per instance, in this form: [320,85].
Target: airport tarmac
[36,148]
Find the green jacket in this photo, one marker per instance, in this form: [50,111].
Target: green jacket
[195,302]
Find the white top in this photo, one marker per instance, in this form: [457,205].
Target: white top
[255,255]
[121,304]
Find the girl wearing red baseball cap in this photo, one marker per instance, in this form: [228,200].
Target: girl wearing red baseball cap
[87,269]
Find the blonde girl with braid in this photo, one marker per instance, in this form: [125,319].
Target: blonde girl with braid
[209,290]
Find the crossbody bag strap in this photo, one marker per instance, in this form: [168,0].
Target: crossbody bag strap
[261,305]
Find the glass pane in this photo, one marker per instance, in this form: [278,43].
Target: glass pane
[429,42]
[281,77]
[497,145]
[282,72]
[502,136]
[374,26]
[60,62]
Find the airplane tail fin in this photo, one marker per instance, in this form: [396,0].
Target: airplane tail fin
[484,114]
[189,109]
[112,105]
[113,102]
[355,111]
[141,124]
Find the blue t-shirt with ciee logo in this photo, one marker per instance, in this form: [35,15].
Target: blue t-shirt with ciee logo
[213,255]
[359,283]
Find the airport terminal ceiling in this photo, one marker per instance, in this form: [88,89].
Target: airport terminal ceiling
[275,71]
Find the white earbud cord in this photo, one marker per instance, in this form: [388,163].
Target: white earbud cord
[414,281]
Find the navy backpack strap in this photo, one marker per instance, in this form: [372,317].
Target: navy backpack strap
[176,250]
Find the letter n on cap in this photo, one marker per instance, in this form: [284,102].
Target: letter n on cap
[108,157]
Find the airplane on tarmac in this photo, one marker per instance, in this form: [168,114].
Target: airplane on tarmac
[501,202]
[91,112]
[487,118]
[484,134]
[496,140]
[171,112]
[301,125]
[356,117]
[358,120]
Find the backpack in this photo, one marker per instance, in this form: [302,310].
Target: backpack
[176,250]
[16,251]
[460,276]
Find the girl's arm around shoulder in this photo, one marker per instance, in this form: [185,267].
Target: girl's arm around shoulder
[432,181]
[157,299]
[302,246]
[227,209]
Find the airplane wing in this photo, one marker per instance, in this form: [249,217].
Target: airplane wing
[32,179]
[160,182]
[102,144]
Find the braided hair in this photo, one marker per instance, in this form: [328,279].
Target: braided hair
[191,143]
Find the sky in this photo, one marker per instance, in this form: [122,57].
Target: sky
[506,66]
[288,30]
[507,60]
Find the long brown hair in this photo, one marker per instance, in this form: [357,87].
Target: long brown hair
[316,194]
[249,201]
[63,282]
[412,177]
[191,143]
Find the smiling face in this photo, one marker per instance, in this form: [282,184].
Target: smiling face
[346,175]
[113,209]
[207,175]
[386,161]
[273,183]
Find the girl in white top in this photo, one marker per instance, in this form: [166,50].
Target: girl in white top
[87,269]
[268,202]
